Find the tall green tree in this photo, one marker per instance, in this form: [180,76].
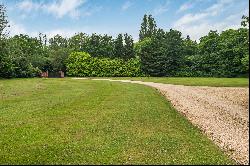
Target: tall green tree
[161,55]
[222,55]
[6,65]
[3,20]
[107,46]
[148,27]
[119,50]
[151,26]
[57,42]
[27,55]
[190,47]
[59,49]
[190,52]
[245,59]
[128,47]
[78,42]
[143,30]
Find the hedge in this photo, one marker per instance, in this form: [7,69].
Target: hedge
[81,64]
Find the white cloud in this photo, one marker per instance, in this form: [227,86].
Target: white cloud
[185,6]
[29,5]
[61,32]
[199,30]
[195,31]
[161,9]
[65,7]
[91,11]
[126,5]
[190,18]
[58,8]
[218,7]
[213,10]
[199,24]
[16,29]
[237,16]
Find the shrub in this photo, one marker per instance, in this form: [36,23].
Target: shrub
[83,65]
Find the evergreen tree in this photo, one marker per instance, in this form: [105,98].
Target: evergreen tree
[119,51]
[144,26]
[128,47]
[148,27]
[162,54]
[151,26]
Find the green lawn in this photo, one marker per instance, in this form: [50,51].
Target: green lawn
[194,81]
[65,121]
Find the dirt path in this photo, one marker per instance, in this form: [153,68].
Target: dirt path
[220,112]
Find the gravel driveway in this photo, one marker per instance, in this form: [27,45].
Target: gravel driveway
[220,112]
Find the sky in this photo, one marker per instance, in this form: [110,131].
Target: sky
[67,17]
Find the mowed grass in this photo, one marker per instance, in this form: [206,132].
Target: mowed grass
[194,81]
[65,121]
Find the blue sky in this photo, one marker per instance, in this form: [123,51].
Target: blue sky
[67,17]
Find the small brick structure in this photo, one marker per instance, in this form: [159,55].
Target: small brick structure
[47,74]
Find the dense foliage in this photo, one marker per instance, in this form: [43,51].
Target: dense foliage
[157,53]
[83,65]
[161,55]
[217,55]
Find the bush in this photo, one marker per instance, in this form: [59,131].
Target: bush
[83,65]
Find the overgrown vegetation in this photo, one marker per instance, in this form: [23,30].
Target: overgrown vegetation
[159,52]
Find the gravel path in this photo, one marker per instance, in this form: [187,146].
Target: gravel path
[220,112]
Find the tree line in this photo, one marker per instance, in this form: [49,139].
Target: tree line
[157,53]
[165,53]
